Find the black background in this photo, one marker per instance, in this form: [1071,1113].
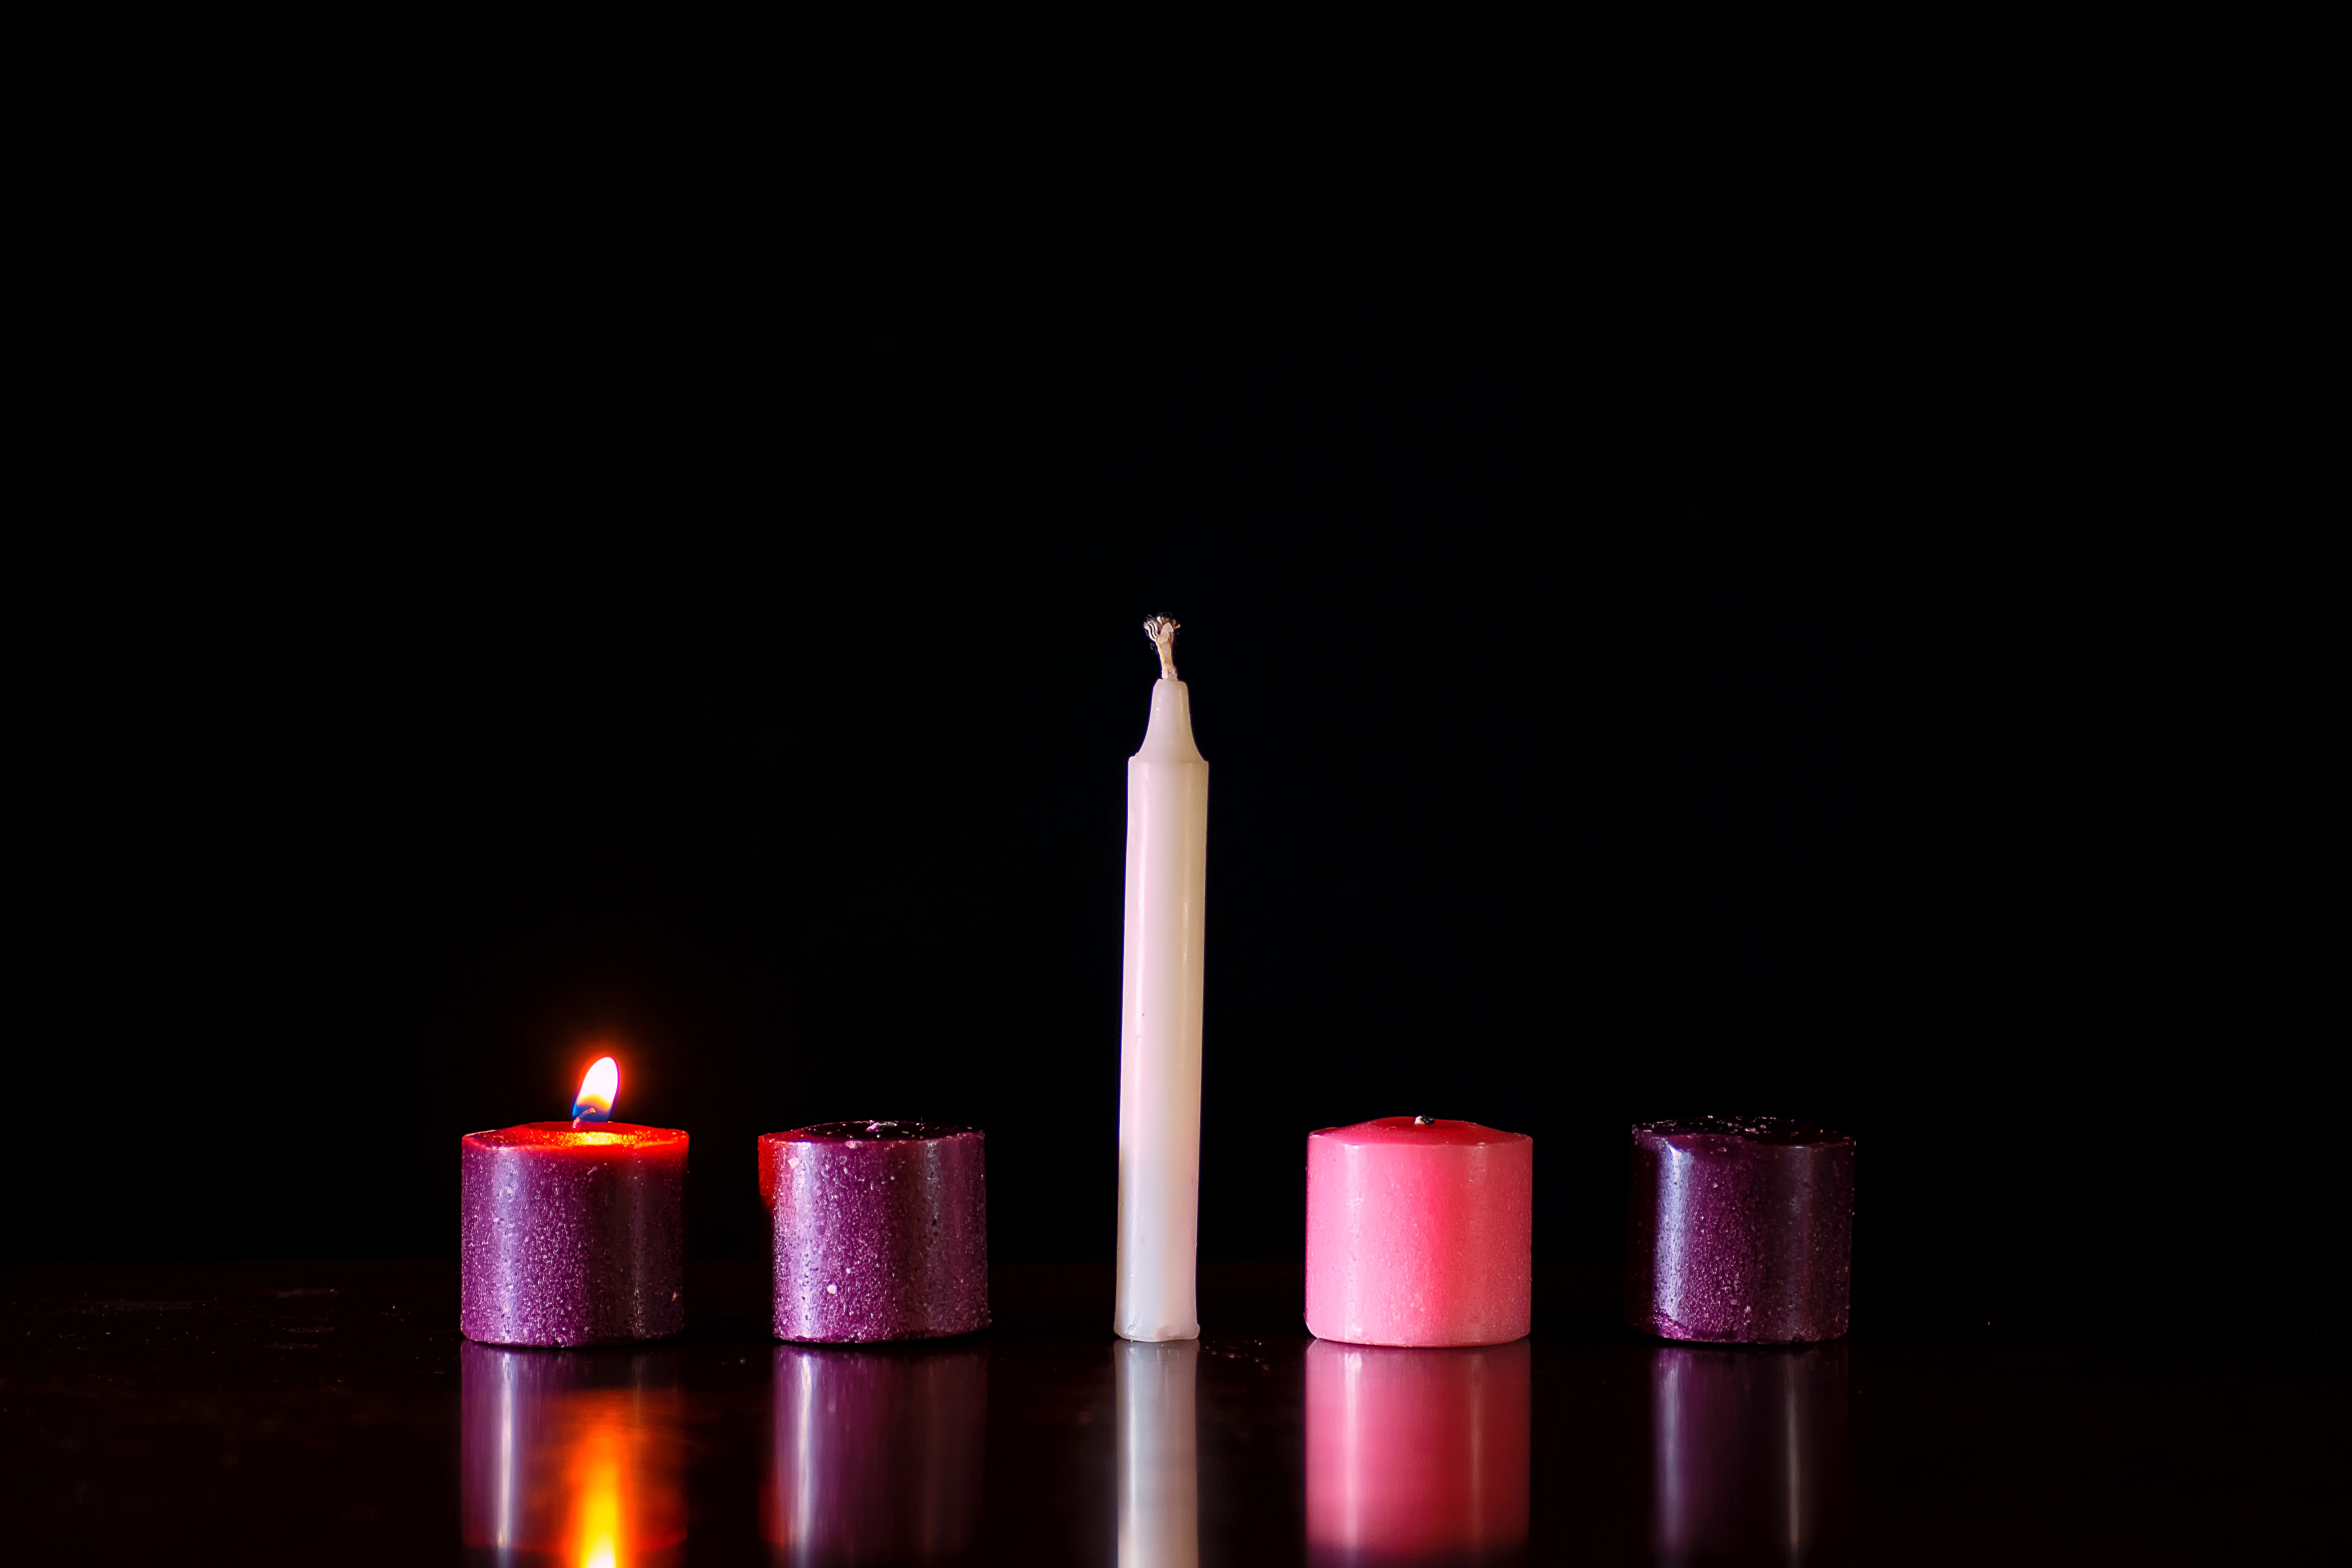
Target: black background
[1760,635]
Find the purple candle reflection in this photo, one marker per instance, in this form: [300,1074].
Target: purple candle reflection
[880,1230]
[879,1456]
[1750,1456]
[1739,1230]
[570,1456]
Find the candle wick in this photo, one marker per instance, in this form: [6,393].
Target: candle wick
[1161,630]
[1425,1121]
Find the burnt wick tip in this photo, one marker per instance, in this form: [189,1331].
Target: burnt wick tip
[1161,630]
[1425,1121]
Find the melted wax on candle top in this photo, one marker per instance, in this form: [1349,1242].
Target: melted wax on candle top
[563,1135]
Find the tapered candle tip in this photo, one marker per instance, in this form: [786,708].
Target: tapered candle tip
[1161,630]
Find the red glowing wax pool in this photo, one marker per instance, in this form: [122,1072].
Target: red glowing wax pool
[574,1233]
[1419,1232]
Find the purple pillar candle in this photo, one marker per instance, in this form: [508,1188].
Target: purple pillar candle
[880,1230]
[573,1235]
[1739,1230]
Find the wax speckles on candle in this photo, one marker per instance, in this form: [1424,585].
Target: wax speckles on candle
[880,1230]
[1419,1232]
[573,1235]
[1739,1230]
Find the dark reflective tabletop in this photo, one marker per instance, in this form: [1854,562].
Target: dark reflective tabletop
[330,1412]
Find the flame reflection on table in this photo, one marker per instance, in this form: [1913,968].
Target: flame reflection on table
[879,1456]
[1416,1456]
[1749,1460]
[1158,1453]
[572,1458]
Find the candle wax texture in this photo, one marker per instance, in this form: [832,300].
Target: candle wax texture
[1419,1234]
[572,1237]
[1160,1026]
[1739,1230]
[1416,1456]
[880,1230]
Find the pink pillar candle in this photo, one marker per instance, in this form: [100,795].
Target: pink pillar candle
[1419,1232]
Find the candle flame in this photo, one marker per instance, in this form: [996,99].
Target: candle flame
[597,1092]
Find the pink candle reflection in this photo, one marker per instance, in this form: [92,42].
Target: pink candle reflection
[879,1456]
[572,1457]
[1416,1456]
[1749,1459]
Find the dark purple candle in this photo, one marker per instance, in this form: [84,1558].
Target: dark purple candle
[880,1230]
[1739,1229]
[573,1235]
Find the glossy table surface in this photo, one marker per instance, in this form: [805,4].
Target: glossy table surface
[330,1413]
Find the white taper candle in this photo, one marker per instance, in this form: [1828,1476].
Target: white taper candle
[1159,1016]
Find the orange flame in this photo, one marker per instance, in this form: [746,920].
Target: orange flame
[598,1090]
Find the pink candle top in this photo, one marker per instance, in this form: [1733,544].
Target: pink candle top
[1419,1232]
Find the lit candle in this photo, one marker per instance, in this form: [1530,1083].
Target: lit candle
[1160,1013]
[1419,1232]
[574,1233]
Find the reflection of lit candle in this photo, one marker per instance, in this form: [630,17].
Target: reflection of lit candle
[596,1482]
[878,1457]
[1159,1454]
[1415,1454]
[574,1233]
[1750,1456]
[577,1459]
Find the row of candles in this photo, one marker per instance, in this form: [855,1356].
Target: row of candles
[1419,1229]
[881,1455]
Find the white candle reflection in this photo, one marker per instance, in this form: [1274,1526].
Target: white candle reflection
[1158,1453]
